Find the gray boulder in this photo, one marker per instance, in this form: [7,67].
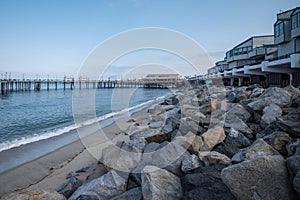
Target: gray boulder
[278,140]
[239,111]
[257,149]
[160,184]
[68,188]
[273,95]
[291,123]
[296,183]
[213,157]
[270,114]
[132,194]
[190,163]
[105,187]
[293,164]
[263,177]
[239,125]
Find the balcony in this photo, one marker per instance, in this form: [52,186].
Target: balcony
[257,52]
[295,32]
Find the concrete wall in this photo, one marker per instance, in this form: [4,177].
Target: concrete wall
[286,48]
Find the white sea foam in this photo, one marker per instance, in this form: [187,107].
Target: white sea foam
[60,131]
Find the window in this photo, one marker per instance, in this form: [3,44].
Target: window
[278,29]
[296,20]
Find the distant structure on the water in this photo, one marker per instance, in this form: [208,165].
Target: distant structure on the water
[162,80]
[269,60]
[150,81]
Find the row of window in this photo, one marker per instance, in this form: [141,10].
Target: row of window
[296,20]
[279,28]
[239,51]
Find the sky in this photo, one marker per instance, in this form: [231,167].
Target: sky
[55,37]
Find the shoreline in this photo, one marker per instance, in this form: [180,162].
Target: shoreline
[36,161]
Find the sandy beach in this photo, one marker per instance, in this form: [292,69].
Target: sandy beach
[49,171]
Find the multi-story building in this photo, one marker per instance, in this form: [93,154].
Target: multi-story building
[267,60]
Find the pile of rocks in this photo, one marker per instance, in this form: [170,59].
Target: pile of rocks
[205,143]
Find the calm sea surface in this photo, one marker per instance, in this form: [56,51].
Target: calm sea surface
[31,116]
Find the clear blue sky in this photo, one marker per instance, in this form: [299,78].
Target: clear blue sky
[55,36]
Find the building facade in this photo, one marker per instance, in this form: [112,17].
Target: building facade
[271,60]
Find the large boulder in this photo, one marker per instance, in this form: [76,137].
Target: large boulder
[32,195]
[291,123]
[239,111]
[122,157]
[107,186]
[239,125]
[293,164]
[132,194]
[212,137]
[270,114]
[151,135]
[193,143]
[263,177]
[187,124]
[296,182]
[278,140]
[190,163]
[257,149]
[273,95]
[160,184]
[213,157]
[69,187]
[205,183]
[233,143]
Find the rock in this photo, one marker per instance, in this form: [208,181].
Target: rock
[293,147]
[239,111]
[293,165]
[188,125]
[68,188]
[132,194]
[212,137]
[270,114]
[205,183]
[151,135]
[190,163]
[232,97]
[137,143]
[291,123]
[240,126]
[296,102]
[170,124]
[256,92]
[296,183]
[156,109]
[257,149]
[33,195]
[263,177]
[234,142]
[160,184]
[191,142]
[273,95]
[213,157]
[105,187]
[123,158]
[278,140]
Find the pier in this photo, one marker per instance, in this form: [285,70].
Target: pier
[23,85]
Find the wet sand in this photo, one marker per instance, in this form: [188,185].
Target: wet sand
[51,160]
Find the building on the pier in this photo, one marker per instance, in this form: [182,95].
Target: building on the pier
[266,60]
[161,80]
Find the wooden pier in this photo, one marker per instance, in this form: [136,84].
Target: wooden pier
[17,85]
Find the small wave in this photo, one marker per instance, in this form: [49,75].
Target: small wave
[37,137]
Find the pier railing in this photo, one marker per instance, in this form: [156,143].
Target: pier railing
[16,85]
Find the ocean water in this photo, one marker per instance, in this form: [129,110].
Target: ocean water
[27,117]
